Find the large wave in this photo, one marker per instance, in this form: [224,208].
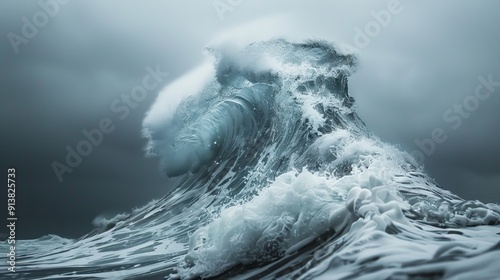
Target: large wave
[278,178]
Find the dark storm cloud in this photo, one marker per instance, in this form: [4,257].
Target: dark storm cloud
[65,78]
[430,59]
[63,81]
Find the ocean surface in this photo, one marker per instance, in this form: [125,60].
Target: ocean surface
[278,178]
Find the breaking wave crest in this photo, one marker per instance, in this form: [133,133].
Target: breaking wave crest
[278,178]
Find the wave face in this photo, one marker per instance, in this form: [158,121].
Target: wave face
[278,179]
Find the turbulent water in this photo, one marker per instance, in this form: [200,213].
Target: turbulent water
[278,179]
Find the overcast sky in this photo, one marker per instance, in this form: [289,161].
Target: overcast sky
[65,78]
